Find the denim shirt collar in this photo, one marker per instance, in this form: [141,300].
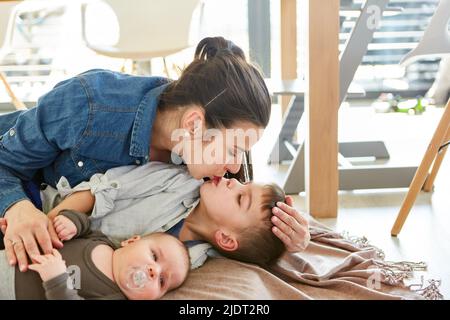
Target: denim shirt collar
[141,135]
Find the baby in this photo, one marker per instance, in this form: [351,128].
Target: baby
[141,269]
[234,218]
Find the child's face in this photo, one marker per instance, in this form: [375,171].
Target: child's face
[160,256]
[231,204]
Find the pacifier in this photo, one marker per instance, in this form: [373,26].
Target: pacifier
[138,277]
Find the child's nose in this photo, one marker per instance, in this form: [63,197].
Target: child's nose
[232,183]
[154,271]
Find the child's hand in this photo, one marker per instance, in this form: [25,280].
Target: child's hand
[64,227]
[49,266]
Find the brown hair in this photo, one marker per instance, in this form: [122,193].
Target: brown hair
[258,244]
[220,80]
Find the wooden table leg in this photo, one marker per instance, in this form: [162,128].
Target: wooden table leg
[321,109]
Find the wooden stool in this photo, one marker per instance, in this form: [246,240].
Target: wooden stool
[435,152]
[18,104]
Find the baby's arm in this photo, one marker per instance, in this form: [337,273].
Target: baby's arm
[53,272]
[81,201]
[69,224]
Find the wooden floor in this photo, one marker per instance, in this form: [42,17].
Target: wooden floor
[371,213]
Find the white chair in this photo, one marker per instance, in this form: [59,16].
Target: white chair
[147,29]
[436,38]
[8,11]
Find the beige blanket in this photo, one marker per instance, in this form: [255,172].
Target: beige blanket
[332,267]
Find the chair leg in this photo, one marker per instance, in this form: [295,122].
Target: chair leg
[437,164]
[422,171]
[166,69]
[19,105]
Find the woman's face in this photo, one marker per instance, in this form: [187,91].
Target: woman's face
[214,152]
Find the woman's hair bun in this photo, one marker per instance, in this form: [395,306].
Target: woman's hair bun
[211,47]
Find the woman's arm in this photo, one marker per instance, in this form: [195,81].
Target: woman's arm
[31,140]
[81,201]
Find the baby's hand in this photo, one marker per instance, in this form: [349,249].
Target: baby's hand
[49,266]
[64,227]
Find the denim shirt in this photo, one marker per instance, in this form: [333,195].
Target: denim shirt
[87,124]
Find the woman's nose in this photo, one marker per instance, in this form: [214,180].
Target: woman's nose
[233,168]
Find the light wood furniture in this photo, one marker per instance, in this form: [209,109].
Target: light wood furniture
[422,178]
[322,97]
[18,104]
[321,108]
[288,39]
[8,11]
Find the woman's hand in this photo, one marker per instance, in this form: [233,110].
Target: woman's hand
[49,266]
[290,226]
[26,231]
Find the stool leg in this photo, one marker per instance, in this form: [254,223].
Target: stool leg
[16,102]
[437,164]
[422,171]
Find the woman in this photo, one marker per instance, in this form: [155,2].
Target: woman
[102,119]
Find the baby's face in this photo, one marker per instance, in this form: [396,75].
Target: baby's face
[232,204]
[147,268]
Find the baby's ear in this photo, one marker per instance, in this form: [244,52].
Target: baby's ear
[130,241]
[225,241]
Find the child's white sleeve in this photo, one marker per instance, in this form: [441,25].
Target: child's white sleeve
[103,189]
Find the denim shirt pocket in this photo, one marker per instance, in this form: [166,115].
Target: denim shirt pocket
[86,166]
[71,165]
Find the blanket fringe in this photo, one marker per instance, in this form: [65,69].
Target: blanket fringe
[363,243]
[430,292]
[395,273]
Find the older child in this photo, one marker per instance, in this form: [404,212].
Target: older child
[142,268]
[234,218]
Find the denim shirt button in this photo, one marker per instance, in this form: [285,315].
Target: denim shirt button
[80,163]
[12,132]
